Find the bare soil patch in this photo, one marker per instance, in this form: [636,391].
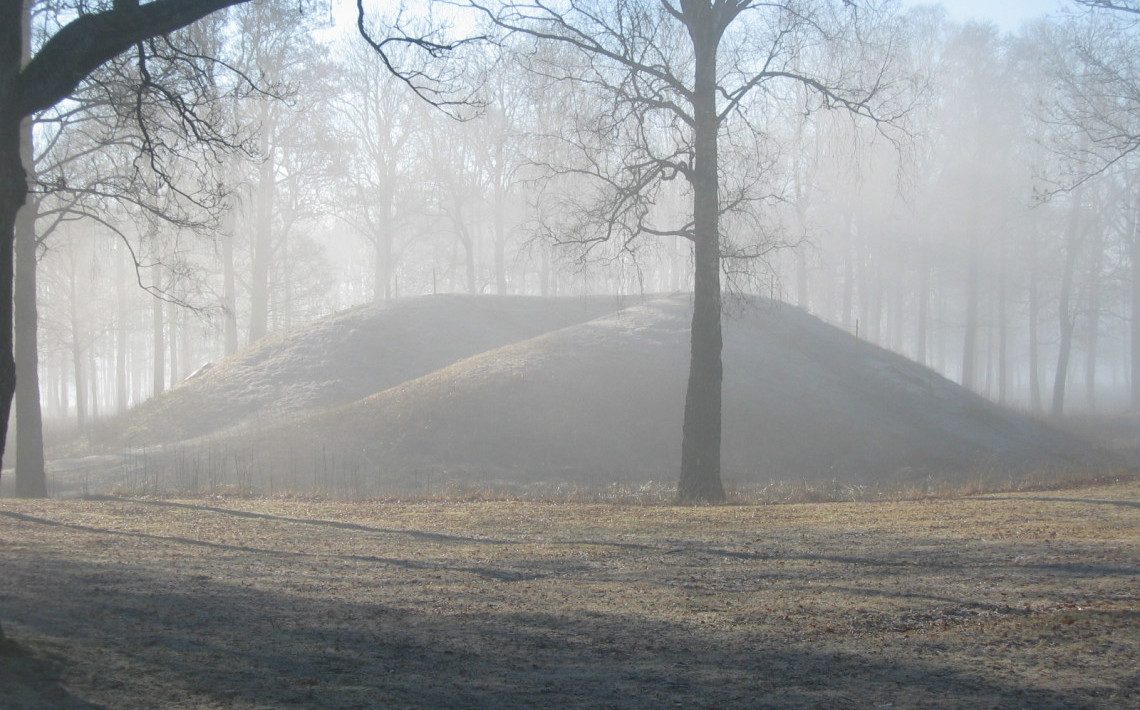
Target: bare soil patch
[1012,600]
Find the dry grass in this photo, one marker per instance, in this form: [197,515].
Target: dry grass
[656,493]
[1010,600]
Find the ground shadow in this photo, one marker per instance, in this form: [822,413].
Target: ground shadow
[337,524]
[210,642]
[1084,501]
[32,679]
[500,575]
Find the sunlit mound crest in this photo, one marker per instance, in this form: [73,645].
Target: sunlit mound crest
[520,390]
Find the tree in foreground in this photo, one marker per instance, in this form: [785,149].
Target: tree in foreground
[99,33]
[673,82]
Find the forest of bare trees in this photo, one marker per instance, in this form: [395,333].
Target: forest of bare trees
[961,194]
[585,353]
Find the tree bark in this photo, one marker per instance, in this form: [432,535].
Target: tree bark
[500,246]
[1135,294]
[1003,331]
[1034,318]
[970,341]
[159,374]
[701,435]
[31,480]
[263,243]
[77,339]
[229,285]
[1096,252]
[1066,318]
[64,61]
[382,287]
[13,192]
[93,381]
[922,319]
[172,343]
[122,336]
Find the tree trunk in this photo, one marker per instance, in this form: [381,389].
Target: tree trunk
[468,242]
[186,344]
[263,244]
[31,481]
[229,285]
[701,435]
[1134,329]
[970,342]
[159,339]
[544,272]
[849,273]
[122,336]
[500,246]
[13,193]
[802,279]
[172,344]
[1003,330]
[898,311]
[76,332]
[382,287]
[93,380]
[1096,252]
[1066,318]
[923,317]
[1135,293]
[1034,317]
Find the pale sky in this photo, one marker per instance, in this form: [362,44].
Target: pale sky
[1007,14]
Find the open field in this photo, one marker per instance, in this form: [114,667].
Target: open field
[1009,600]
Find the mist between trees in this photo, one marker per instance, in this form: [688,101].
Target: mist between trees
[961,195]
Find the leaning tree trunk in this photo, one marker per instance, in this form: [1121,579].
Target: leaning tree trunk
[701,434]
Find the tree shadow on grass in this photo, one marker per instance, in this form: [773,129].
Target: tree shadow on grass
[205,641]
[336,524]
[30,679]
[500,575]
[1083,501]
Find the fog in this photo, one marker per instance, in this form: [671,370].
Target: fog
[495,353]
[962,194]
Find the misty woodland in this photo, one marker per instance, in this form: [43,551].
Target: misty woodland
[593,353]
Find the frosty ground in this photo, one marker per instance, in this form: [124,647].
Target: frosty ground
[1014,600]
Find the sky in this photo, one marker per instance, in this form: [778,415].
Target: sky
[1007,14]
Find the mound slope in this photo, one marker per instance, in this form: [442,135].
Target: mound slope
[602,400]
[343,358]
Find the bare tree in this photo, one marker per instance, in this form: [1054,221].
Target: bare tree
[95,36]
[1126,6]
[379,185]
[686,70]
